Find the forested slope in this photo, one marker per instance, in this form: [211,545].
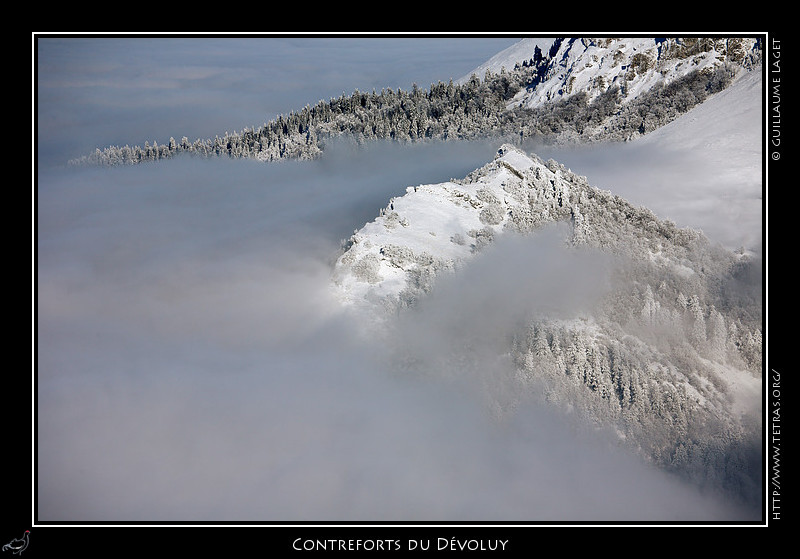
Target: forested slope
[637,99]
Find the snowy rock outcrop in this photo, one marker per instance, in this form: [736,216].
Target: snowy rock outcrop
[434,229]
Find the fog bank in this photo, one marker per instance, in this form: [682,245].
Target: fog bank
[193,365]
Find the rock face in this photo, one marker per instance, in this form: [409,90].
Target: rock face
[668,354]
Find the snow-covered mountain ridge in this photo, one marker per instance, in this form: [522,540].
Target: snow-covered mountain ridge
[566,66]
[667,344]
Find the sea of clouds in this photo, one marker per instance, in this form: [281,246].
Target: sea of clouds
[193,363]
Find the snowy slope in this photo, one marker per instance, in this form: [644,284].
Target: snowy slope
[724,123]
[722,138]
[593,65]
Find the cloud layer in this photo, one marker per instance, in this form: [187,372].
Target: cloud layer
[194,366]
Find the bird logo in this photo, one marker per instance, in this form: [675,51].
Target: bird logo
[18,545]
